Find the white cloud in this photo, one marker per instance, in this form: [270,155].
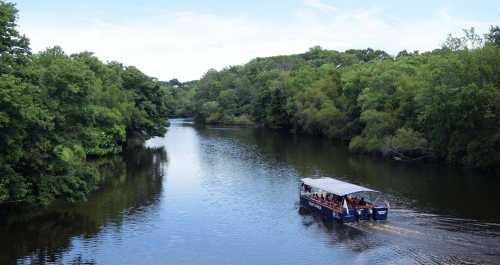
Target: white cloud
[320,5]
[186,44]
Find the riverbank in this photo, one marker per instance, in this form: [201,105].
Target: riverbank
[420,157]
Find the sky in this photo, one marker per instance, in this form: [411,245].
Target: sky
[183,39]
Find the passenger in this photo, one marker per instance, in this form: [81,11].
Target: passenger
[350,200]
[362,202]
[322,198]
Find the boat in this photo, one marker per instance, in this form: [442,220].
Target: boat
[341,201]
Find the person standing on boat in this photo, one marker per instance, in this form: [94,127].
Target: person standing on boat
[345,205]
[362,202]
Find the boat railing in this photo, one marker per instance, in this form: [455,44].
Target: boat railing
[330,205]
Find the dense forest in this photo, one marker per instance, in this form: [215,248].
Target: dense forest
[438,105]
[59,112]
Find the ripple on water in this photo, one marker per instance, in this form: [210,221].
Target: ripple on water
[229,196]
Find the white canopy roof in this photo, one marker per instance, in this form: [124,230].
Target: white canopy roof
[335,186]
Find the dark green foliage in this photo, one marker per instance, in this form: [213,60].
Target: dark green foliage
[150,98]
[14,48]
[57,111]
[182,98]
[493,36]
[442,104]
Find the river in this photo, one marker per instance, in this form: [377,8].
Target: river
[229,196]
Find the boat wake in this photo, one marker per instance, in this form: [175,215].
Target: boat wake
[389,228]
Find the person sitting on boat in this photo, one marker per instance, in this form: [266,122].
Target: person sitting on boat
[349,199]
[362,202]
[332,201]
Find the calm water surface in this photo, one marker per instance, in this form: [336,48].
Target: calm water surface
[229,196]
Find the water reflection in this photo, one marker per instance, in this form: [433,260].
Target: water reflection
[427,187]
[229,196]
[343,235]
[440,215]
[133,186]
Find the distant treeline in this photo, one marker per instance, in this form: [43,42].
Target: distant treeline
[443,104]
[59,111]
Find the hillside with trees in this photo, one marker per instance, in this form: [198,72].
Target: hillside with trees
[59,112]
[439,105]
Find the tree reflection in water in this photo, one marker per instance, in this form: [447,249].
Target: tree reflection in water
[132,185]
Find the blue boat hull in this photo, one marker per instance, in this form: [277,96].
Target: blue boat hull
[363,214]
[380,213]
[377,213]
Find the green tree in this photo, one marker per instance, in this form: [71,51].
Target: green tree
[14,47]
[59,110]
[493,36]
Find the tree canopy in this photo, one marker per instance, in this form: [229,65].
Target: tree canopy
[59,111]
[443,104]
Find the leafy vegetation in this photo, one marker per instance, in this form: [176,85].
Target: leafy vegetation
[59,111]
[442,104]
[182,104]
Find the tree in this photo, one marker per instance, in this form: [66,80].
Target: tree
[493,36]
[473,39]
[470,40]
[406,143]
[149,117]
[439,104]
[454,43]
[59,110]
[14,47]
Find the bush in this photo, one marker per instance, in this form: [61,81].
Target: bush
[243,120]
[406,140]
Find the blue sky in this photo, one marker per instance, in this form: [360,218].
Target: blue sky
[183,39]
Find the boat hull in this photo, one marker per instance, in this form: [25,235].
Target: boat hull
[380,213]
[363,214]
[376,213]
